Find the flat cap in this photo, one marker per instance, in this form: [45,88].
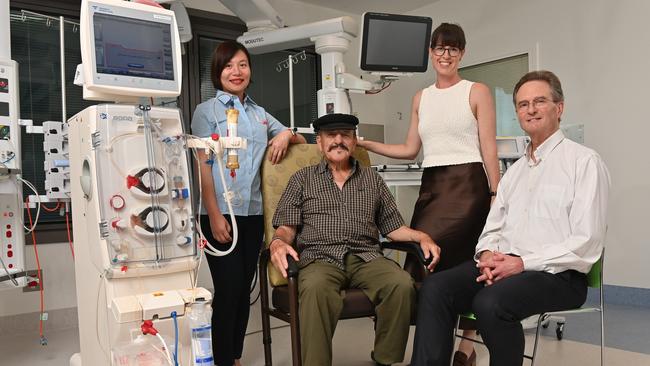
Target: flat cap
[336,121]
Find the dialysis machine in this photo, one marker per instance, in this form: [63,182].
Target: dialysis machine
[134,227]
[12,245]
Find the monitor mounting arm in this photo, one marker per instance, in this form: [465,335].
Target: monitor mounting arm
[331,38]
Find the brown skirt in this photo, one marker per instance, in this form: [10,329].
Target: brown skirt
[453,204]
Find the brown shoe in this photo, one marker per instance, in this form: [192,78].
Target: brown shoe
[460,359]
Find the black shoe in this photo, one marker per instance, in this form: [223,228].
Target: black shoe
[372,356]
[461,359]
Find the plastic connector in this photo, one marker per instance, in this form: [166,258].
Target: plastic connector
[148,328]
[131,181]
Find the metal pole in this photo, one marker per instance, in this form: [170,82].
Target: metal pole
[64,117]
[291,116]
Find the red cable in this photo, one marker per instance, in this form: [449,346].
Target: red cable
[38,267]
[67,225]
[58,204]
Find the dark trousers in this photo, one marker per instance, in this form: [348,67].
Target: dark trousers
[232,276]
[499,309]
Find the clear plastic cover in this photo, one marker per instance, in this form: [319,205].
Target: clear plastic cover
[144,183]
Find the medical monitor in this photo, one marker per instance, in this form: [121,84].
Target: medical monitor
[129,49]
[394,43]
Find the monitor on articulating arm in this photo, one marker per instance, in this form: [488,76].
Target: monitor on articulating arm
[129,50]
[394,44]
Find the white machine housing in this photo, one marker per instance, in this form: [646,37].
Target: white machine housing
[137,276]
[12,242]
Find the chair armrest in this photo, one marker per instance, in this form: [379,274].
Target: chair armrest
[292,270]
[409,247]
[292,267]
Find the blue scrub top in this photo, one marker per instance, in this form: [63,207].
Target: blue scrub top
[255,125]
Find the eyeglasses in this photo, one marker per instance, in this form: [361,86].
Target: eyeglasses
[537,103]
[453,51]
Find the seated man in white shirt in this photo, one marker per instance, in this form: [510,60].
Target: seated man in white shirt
[545,230]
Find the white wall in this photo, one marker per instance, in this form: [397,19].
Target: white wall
[599,49]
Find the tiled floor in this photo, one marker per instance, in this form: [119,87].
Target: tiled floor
[353,343]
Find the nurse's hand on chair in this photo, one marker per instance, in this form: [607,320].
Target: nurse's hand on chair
[279,251]
[278,146]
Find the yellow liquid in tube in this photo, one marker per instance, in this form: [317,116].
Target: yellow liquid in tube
[232,161]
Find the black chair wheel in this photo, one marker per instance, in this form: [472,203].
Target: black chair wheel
[559,331]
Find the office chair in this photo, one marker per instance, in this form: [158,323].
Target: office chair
[594,280]
[284,294]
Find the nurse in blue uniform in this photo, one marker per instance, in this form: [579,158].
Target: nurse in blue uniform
[232,274]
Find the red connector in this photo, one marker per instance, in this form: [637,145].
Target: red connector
[148,328]
[131,181]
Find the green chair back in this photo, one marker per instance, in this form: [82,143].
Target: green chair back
[275,179]
[594,277]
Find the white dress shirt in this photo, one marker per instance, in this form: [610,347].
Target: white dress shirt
[552,212]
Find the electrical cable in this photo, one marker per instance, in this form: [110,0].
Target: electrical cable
[38,207]
[384,86]
[40,278]
[272,328]
[99,291]
[54,209]
[175,338]
[67,226]
[8,160]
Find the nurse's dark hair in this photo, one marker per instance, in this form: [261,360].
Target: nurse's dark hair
[220,58]
[448,35]
[542,75]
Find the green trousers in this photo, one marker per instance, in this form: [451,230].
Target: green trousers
[320,287]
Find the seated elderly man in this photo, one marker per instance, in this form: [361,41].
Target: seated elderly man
[544,231]
[335,211]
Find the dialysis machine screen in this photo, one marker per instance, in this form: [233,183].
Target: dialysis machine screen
[133,47]
[127,50]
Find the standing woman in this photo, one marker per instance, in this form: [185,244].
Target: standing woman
[232,274]
[454,122]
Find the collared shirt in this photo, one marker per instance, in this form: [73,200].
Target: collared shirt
[255,125]
[333,222]
[551,212]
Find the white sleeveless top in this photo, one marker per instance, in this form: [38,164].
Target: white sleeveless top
[447,126]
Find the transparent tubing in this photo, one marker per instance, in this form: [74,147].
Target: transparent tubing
[151,160]
[235,232]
